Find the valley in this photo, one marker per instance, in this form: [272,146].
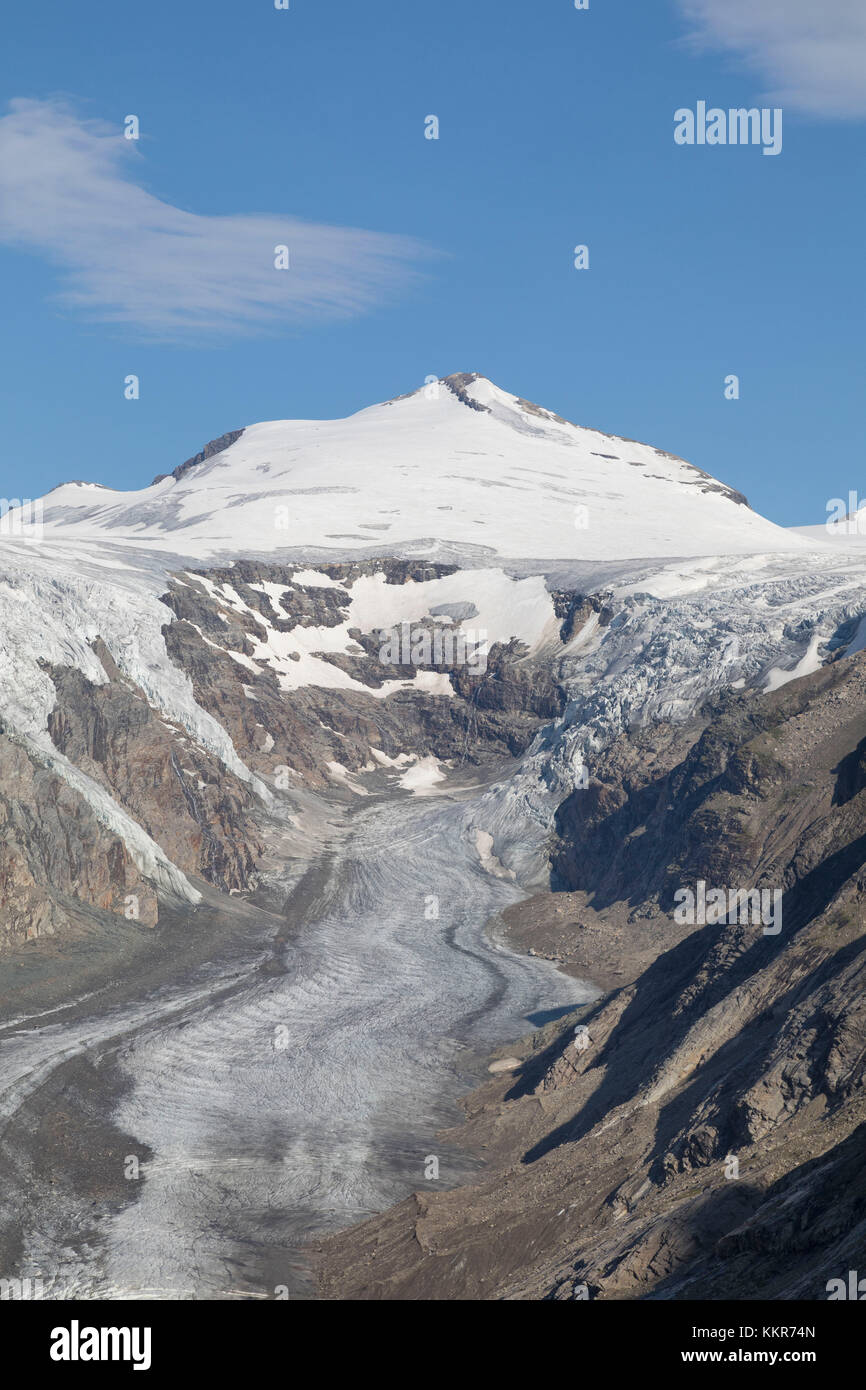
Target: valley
[278,886]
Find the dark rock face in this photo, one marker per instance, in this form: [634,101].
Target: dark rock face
[740,791]
[575,609]
[702,1135]
[195,809]
[56,860]
[457,384]
[214,446]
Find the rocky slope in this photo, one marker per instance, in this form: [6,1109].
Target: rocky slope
[238,688]
[363,713]
[56,860]
[699,1133]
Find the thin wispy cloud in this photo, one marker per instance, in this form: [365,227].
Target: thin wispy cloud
[811,53]
[71,191]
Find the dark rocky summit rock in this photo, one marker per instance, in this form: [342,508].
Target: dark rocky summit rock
[214,446]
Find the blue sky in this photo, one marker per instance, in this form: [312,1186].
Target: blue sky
[414,257]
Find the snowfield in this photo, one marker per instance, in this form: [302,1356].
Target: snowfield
[503,608]
[459,461]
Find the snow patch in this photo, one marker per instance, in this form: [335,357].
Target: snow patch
[809,662]
[419,778]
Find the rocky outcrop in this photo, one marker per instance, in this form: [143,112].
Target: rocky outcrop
[56,861]
[60,862]
[195,809]
[214,446]
[485,715]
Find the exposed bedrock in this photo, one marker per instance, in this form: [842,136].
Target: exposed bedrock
[55,857]
[192,806]
[472,715]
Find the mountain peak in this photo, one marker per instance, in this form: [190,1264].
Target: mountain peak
[459,463]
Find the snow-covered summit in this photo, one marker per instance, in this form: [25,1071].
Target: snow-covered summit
[459,462]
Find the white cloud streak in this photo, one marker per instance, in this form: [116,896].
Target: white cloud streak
[811,52]
[68,192]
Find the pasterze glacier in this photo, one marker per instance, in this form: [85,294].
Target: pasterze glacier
[356,767]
